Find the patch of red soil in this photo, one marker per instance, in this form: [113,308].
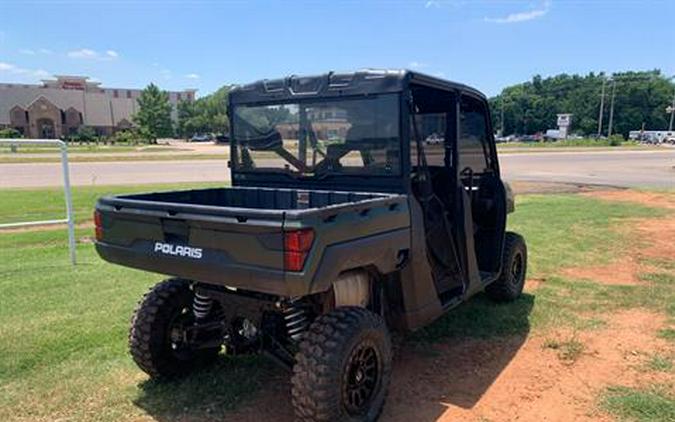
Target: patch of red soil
[504,379]
[622,272]
[532,284]
[508,380]
[655,199]
[659,237]
[654,238]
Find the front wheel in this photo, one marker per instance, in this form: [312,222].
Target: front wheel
[511,281]
[157,336]
[343,367]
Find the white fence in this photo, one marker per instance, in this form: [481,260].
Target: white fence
[70,216]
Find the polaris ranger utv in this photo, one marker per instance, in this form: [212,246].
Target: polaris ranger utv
[360,203]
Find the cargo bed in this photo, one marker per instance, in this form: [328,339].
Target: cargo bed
[234,236]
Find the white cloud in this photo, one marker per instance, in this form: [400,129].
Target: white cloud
[42,74]
[89,54]
[523,16]
[32,52]
[417,65]
[166,74]
[83,53]
[432,3]
[33,74]
[192,76]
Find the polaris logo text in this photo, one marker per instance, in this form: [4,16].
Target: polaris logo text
[177,250]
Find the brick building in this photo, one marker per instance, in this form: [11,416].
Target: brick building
[58,107]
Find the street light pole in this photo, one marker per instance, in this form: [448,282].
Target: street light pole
[602,107]
[611,109]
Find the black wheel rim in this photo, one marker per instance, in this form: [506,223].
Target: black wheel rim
[363,378]
[517,268]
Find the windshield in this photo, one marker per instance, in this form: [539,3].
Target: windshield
[313,139]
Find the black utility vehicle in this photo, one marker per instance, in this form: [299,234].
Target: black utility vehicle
[360,203]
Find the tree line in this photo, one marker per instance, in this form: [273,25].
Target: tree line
[639,98]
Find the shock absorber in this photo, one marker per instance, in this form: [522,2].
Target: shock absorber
[201,305]
[296,319]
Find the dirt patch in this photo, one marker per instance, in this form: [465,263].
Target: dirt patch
[532,284]
[524,187]
[654,238]
[655,199]
[622,272]
[659,235]
[504,379]
[537,385]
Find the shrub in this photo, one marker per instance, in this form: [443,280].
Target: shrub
[84,134]
[9,133]
[615,140]
[125,137]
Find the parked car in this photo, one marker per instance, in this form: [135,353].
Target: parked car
[317,252]
[201,137]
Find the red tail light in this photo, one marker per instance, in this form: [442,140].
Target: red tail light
[297,244]
[98,223]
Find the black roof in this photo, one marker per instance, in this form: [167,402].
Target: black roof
[334,84]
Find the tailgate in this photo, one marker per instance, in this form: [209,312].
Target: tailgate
[238,247]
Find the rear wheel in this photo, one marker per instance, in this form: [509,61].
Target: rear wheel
[510,283]
[343,367]
[157,339]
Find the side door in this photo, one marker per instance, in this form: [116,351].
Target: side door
[481,191]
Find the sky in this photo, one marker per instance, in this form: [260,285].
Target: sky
[204,45]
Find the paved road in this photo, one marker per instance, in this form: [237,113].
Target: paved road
[616,168]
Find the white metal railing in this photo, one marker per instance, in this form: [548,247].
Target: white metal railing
[70,215]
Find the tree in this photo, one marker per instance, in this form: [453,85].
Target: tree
[207,114]
[154,114]
[532,106]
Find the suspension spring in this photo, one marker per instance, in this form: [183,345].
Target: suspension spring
[201,305]
[296,319]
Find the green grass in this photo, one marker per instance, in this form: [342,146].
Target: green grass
[63,329]
[586,143]
[655,404]
[94,149]
[660,363]
[667,334]
[571,230]
[568,350]
[7,159]
[47,204]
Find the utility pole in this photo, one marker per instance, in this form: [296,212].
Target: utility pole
[672,115]
[502,117]
[611,109]
[602,107]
